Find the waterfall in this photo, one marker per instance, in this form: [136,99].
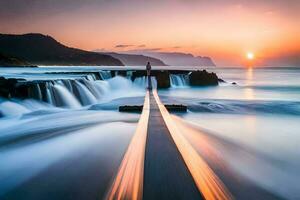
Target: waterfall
[154,82]
[68,84]
[105,75]
[75,93]
[39,92]
[93,89]
[64,98]
[120,83]
[179,80]
[85,94]
[35,91]
[101,86]
[140,82]
[49,93]
[91,77]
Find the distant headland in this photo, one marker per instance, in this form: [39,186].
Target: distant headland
[34,49]
[38,49]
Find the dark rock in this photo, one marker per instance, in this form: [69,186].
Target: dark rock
[176,108]
[139,108]
[21,91]
[233,83]
[203,78]
[35,91]
[137,74]
[163,79]
[43,91]
[113,73]
[122,73]
[221,80]
[126,108]
[7,86]
[197,78]
[179,71]
[4,91]
[20,88]
[119,73]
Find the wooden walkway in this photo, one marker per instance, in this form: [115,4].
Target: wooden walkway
[161,164]
[165,174]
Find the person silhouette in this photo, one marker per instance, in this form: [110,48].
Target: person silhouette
[148,68]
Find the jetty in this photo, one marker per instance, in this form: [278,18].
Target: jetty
[165,174]
[160,163]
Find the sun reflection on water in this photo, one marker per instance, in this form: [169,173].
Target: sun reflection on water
[248,92]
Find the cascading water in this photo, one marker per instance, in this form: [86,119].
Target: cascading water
[179,80]
[85,94]
[101,86]
[75,93]
[68,84]
[90,85]
[49,93]
[140,82]
[12,108]
[105,75]
[64,98]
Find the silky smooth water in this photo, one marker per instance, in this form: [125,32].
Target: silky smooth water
[68,135]
[255,124]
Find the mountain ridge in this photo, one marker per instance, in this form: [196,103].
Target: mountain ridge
[176,58]
[135,59]
[39,49]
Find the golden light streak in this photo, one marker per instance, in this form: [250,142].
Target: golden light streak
[248,92]
[206,180]
[128,183]
[205,145]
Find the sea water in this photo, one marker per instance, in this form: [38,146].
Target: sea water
[253,125]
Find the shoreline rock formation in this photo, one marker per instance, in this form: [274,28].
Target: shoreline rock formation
[21,88]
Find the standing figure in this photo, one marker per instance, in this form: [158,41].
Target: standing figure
[148,68]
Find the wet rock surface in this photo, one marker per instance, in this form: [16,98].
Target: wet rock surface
[203,78]
[21,88]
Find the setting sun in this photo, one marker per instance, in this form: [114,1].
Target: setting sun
[250,56]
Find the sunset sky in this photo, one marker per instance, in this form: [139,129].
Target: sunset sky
[222,29]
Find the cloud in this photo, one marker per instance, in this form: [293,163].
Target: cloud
[124,45]
[176,47]
[150,49]
[145,50]
[130,45]
[100,50]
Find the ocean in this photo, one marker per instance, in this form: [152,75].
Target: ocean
[247,129]
[253,125]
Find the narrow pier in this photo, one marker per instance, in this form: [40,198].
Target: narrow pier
[165,174]
[161,164]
